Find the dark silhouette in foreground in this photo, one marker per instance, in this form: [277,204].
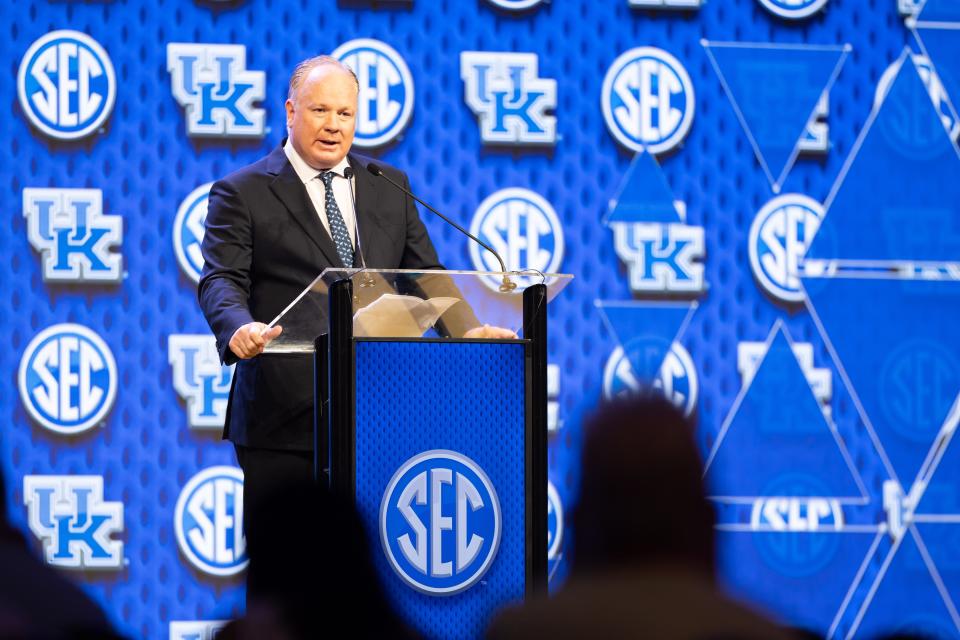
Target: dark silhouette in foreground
[311,574]
[37,601]
[643,541]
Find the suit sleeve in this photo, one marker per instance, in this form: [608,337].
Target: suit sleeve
[227,248]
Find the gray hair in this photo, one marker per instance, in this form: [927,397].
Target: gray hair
[304,68]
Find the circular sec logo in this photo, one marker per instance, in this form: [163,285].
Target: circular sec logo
[440,522]
[209,521]
[676,378]
[793,9]
[779,237]
[188,231]
[554,523]
[647,100]
[66,84]
[938,95]
[67,378]
[523,228]
[385,103]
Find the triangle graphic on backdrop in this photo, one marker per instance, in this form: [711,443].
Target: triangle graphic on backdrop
[643,195]
[897,197]
[939,542]
[776,441]
[939,11]
[645,330]
[941,476]
[774,90]
[898,353]
[931,613]
[940,43]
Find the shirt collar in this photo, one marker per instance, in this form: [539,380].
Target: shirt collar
[304,171]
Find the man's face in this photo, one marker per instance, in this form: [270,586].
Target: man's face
[321,117]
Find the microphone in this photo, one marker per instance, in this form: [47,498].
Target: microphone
[507,284]
[366,281]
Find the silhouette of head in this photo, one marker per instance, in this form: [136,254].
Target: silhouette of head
[642,497]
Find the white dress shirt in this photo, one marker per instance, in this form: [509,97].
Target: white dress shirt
[315,189]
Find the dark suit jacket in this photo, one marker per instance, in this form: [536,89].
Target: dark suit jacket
[264,244]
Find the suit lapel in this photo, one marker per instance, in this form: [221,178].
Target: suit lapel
[287,186]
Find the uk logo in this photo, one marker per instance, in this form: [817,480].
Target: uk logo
[66,85]
[815,138]
[440,522]
[553,398]
[779,237]
[196,629]
[676,379]
[200,379]
[661,258]
[209,521]
[647,100]
[74,236]
[793,9]
[216,90]
[73,521]
[511,101]
[67,379]
[188,231]
[385,103]
[522,227]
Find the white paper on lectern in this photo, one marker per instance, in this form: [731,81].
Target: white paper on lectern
[396,316]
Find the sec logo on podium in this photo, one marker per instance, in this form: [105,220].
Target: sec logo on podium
[440,522]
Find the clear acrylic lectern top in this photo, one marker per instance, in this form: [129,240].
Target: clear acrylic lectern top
[403,303]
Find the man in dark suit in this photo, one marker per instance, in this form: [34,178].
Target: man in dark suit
[271,228]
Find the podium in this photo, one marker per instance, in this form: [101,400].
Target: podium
[439,440]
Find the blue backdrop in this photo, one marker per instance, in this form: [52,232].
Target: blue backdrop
[677,157]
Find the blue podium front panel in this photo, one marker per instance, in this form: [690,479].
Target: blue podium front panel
[440,474]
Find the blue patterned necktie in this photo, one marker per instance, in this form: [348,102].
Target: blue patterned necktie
[338,228]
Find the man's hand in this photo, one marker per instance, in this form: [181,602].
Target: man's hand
[251,339]
[488,332]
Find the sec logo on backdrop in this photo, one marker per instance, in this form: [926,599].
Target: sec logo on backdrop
[793,521]
[209,521]
[67,378]
[522,227]
[440,522]
[385,103]
[66,84]
[793,9]
[779,237]
[647,100]
[188,231]
[554,523]
[676,379]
